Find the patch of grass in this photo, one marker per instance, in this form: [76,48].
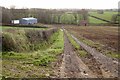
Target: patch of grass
[51,53]
[100,48]
[97,46]
[44,60]
[76,46]
[81,52]
[59,41]
[13,55]
[14,42]
[112,54]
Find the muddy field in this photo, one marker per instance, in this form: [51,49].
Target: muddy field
[107,36]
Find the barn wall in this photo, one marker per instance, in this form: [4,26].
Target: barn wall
[22,21]
[31,21]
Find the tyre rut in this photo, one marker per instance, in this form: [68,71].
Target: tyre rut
[108,67]
[72,66]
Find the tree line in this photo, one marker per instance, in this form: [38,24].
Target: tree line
[48,16]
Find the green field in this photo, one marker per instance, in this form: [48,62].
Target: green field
[95,21]
[107,15]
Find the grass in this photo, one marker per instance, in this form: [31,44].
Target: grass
[95,21]
[16,41]
[39,61]
[76,46]
[22,39]
[81,52]
[112,54]
[21,28]
[107,15]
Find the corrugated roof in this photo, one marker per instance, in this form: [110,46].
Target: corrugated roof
[30,18]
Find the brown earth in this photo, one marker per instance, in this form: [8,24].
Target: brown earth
[107,36]
[100,61]
[72,66]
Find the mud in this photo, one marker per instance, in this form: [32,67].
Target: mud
[72,66]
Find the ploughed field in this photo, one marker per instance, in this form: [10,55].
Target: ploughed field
[103,38]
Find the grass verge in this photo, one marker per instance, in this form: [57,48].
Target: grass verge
[33,64]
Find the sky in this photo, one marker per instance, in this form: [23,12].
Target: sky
[61,4]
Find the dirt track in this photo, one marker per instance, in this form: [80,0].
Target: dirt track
[72,66]
[92,66]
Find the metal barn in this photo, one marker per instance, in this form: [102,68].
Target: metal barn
[28,21]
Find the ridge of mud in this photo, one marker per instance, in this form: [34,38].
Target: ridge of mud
[72,66]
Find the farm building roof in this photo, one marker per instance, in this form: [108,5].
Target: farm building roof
[30,18]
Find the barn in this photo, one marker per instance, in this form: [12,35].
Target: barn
[83,22]
[28,21]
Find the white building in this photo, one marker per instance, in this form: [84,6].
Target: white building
[15,22]
[27,21]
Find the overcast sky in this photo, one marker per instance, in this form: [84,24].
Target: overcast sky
[55,4]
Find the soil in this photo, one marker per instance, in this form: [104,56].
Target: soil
[108,36]
[108,66]
[94,65]
[72,66]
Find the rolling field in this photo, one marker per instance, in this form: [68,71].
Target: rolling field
[106,15]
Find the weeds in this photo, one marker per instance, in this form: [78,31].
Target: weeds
[76,46]
[42,59]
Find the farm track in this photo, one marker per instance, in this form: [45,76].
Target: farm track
[108,67]
[94,65]
[72,66]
